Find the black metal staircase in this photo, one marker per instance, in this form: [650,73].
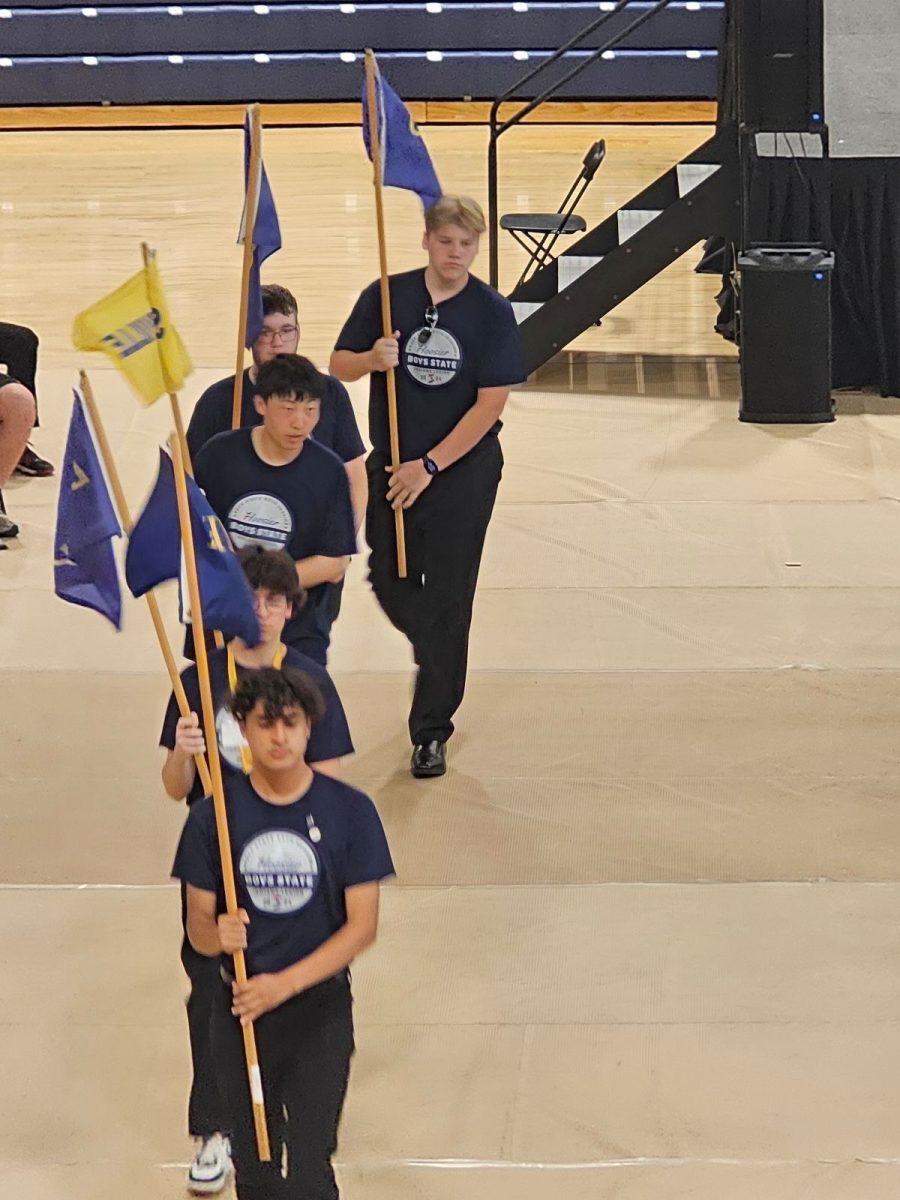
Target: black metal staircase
[695,198]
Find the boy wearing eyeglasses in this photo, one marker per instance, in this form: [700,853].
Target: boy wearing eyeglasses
[457,351]
[337,428]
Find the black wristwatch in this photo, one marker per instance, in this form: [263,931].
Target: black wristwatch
[429,464]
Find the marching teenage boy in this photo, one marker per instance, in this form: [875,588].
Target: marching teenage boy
[336,428]
[273,580]
[456,351]
[309,854]
[275,486]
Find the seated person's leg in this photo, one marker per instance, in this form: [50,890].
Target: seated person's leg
[16,421]
[18,354]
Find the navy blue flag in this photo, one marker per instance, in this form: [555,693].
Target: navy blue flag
[84,564]
[266,238]
[154,556]
[405,160]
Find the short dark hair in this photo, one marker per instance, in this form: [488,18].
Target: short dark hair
[275,571]
[278,692]
[290,375]
[277,299]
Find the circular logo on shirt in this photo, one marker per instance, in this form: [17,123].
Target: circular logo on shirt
[231,740]
[260,519]
[280,871]
[433,360]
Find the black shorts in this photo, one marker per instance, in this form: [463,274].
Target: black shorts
[5,379]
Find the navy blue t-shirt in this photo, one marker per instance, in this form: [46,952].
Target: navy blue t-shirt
[292,863]
[330,737]
[336,428]
[475,344]
[303,507]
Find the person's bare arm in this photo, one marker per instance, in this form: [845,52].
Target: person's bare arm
[202,927]
[321,568]
[350,365]
[407,483]
[179,769]
[265,992]
[359,489]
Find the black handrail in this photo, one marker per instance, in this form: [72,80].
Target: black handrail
[497,129]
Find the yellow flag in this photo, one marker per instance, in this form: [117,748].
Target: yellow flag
[132,325]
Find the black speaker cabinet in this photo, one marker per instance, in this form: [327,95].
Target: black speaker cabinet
[781,60]
[785,335]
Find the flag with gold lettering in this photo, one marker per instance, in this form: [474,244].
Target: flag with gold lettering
[84,564]
[133,327]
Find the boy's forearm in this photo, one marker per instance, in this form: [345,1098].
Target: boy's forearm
[348,365]
[178,774]
[331,957]
[204,936]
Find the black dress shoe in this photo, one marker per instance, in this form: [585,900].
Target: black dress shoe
[429,760]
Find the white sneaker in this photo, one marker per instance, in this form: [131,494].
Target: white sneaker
[211,1168]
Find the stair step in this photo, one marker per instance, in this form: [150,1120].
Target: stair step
[522,309]
[570,267]
[633,220]
[691,175]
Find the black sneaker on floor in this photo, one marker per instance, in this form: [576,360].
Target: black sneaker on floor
[8,528]
[33,465]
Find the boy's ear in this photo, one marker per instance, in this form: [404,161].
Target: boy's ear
[260,405]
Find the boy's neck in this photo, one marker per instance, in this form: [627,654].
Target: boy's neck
[262,655]
[284,787]
[269,452]
[438,290]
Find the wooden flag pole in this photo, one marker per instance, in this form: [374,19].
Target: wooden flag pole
[254,175]
[218,791]
[175,405]
[387,324]
[155,615]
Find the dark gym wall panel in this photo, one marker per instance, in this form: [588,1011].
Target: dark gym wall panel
[61,53]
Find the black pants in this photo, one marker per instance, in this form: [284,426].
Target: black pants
[304,1049]
[19,351]
[206,1113]
[445,531]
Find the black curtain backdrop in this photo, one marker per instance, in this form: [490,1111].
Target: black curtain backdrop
[851,206]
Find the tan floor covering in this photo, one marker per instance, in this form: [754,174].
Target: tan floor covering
[643,941]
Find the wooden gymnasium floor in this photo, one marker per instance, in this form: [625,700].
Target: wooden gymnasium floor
[643,942]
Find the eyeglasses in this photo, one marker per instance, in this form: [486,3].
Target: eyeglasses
[284,334]
[269,603]
[431,319]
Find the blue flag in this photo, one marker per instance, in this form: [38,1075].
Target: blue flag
[266,238]
[405,161]
[154,555]
[84,565]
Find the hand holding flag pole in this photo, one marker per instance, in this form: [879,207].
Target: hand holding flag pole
[387,325]
[162,637]
[218,792]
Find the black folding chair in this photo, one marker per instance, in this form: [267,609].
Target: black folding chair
[538,233]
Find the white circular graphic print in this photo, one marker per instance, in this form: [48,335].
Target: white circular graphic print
[260,519]
[434,361]
[280,871]
[231,740]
